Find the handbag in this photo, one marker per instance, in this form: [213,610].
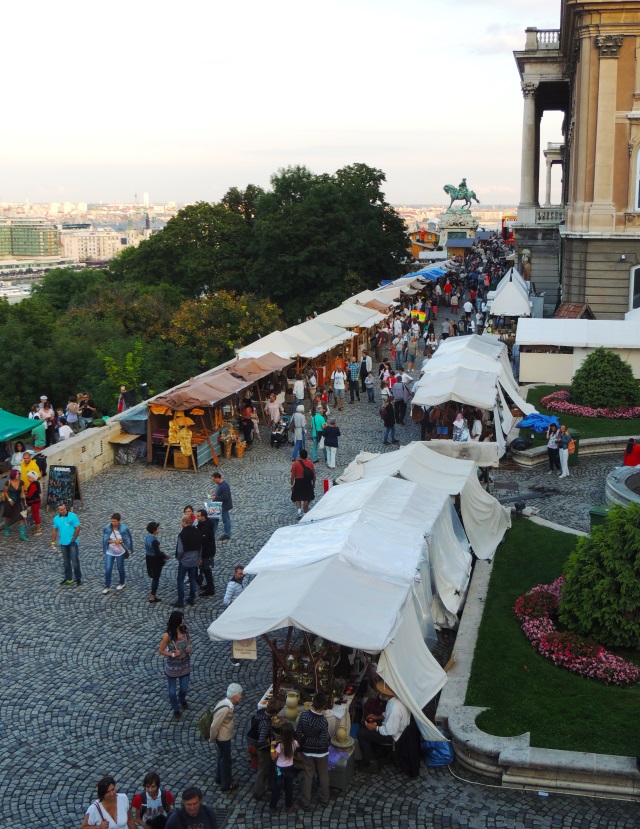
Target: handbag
[213,508]
[321,443]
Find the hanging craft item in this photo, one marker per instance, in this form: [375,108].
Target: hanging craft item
[184,439]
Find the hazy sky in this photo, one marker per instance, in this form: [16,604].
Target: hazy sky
[184,100]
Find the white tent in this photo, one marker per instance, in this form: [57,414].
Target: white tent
[473,371]
[511,299]
[579,333]
[485,519]
[320,335]
[366,296]
[634,314]
[412,506]
[369,579]
[279,342]
[351,316]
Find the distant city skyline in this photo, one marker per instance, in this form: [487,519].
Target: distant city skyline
[182,103]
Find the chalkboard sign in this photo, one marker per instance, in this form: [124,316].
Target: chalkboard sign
[64,487]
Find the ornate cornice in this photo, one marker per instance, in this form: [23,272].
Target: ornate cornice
[609,45]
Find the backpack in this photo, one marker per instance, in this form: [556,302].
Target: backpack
[572,446]
[204,724]
[143,801]
[307,472]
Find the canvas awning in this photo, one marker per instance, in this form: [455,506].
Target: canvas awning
[352,316]
[579,333]
[485,519]
[321,336]
[217,385]
[511,296]
[13,426]
[280,343]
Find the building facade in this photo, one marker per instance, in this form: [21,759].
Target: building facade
[28,238]
[587,248]
[90,245]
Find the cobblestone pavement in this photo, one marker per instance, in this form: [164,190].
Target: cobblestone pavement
[83,690]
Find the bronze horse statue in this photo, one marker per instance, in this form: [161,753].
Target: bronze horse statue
[463,193]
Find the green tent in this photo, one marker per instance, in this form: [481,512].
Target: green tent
[13,426]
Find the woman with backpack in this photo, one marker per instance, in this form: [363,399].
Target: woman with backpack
[282,752]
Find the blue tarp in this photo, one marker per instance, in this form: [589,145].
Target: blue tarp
[134,421]
[538,422]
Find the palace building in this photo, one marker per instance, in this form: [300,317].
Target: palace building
[587,248]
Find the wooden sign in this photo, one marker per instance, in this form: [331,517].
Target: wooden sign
[64,487]
[245,649]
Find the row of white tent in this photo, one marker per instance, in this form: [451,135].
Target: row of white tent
[474,371]
[330,329]
[372,565]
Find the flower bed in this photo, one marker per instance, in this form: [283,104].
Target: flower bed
[538,612]
[558,401]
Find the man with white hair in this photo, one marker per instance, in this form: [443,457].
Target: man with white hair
[221,733]
[298,423]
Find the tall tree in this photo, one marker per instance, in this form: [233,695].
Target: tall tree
[244,202]
[202,248]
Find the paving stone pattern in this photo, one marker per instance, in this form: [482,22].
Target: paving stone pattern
[84,693]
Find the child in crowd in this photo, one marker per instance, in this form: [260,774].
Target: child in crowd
[369,383]
[282,752]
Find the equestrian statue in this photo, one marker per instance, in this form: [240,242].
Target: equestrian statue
[461,192]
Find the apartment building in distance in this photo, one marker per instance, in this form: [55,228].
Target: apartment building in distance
[587,248]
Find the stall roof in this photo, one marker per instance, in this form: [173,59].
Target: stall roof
[579,333]
[485,519]
[352,316]
[364,297]
[280,343]
[460,243]
[512,301]
[12,425]
[221,383]
[322,336]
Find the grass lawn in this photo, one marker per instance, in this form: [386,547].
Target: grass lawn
[589,427]
[524,691]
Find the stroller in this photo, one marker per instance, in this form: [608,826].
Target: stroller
[280,432]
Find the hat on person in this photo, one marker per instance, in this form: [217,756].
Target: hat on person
[383,689]
[300,408]
[43,397]
[233,690]
[33,475]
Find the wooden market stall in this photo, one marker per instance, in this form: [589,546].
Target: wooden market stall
[185,424]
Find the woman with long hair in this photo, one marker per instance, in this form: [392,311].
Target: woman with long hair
[282,752]
[111,810]
[564,439]
[176,648]
[552,448]
[15,504]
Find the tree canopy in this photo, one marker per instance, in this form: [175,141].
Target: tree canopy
[604,380]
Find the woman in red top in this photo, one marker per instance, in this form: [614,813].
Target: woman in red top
[631,454]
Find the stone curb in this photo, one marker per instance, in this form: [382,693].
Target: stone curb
[588,446]
[512,760]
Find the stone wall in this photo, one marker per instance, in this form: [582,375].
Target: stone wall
[89,451]
[593,273]
[544,244]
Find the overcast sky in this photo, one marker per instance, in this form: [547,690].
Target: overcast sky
[184,100]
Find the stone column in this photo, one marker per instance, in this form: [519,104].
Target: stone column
[528,196]
[602,211]
[547,195]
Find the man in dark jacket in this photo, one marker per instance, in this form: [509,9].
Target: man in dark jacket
[208,532]
[264,716]
[389,420]
[189,555]
[312,734]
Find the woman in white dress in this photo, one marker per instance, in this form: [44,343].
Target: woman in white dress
[111,810]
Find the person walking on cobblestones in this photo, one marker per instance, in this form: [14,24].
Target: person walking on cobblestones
[208,532]
[189,555]
[338,377]
[154,557]
[331,435]
[66,528]
[176,648]
[111,810]
[193,814]
[221,734]
[353,369]
[298,424]
[563,441]
[116,542]
[222,493]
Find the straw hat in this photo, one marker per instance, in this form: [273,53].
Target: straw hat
[342,738]
[383,689]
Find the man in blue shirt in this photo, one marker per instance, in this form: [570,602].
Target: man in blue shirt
[66,528]
[222,493]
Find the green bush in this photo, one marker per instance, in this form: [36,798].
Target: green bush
[601,595]
[604,380]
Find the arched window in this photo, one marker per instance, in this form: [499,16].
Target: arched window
[634,288]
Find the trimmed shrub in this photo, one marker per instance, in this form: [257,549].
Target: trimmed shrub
[601,594]
[604,380]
